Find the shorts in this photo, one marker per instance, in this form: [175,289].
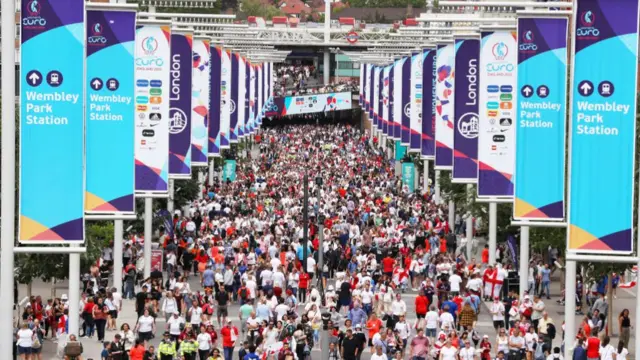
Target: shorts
[113,313]
[421,316]
[370,343]
[310,275]
[145,336]
[36,351]
[498,324]
[430,332]
[222,311]
[24,350]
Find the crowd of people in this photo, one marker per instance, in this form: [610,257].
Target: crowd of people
[385,250]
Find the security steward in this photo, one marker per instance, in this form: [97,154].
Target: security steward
[189,347]
[167,348]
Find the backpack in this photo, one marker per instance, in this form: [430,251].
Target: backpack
[243,293]
[551,331]
[73,349]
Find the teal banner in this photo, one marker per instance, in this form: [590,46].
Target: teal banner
[401,150]
[229,170]
[51,190]
[409,175]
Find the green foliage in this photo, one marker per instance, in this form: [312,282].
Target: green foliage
[45,266]
[256,8]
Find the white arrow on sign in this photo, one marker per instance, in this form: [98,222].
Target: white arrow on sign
[527,91]
[96,83]
[585,88]
[34,77]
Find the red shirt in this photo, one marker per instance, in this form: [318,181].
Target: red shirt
[485,256]
[303,281]
[387,264]
[593,347]
[422,305]
[88,307]
[226,336]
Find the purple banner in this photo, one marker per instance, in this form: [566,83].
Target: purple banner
[180,106]
[247,92]
[233,125]
[384,100]
[391,102]
[428,104]
[215,75]
[405,135]
[381,100]
[370,94]
[465,126]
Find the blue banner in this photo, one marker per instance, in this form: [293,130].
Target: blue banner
[110,165]
[229,170]
[180,105]
[409,176]
[51,189]
[429,77]
[540,124]
[603,127]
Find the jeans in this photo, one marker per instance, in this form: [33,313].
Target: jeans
[128,290]
[367,308]
[228,353]
[430,332]
[418,358]
[545,288]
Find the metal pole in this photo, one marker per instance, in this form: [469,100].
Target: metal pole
[200,184]
[524,260]
[452,212]
[437,191]
[74,293]
[170,205]
[425,176]
[320,250]
[493,228]
[570,309]
[327,21]
[211,175]
[305,223]
[148,234]
[469,229]
[326,67]
[8,186]
[118,226]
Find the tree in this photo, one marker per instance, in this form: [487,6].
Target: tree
[256,8]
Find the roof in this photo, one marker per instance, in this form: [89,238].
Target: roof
[291,7]
[377,15]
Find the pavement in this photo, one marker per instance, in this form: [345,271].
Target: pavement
[92,348]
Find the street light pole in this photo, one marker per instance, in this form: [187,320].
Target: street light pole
[305,223]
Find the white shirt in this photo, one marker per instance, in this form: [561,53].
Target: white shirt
[403,329]
[25,338]
[497,311]
[622,355]
[266,276]
[169,305]
[278,279]
[467,353]
[445,318]
[293,280]
[367,296]
[379,357]
[311,265]
[455,281]
[204,341]
[174,325]
[116,299]
[432,320]
[398,307]
[606,352]
[145,324]
[448,353]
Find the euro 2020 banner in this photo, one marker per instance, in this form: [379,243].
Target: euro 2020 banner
[603,123]
[235,95]
[200,101]
[180,111]
[110,165]
[415,105]
[153,60]
[540,124]
[215,109]
[444,106]
[405,134]
[465,126]
[225,96]
[397,98]
[51,122]
[391,100]
[496,137]
[385,100]
[429,76]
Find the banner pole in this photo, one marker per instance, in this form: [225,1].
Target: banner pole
[211,164]
[437,192]
[493,224]
[8,144]
[425,176]
[570,308]
[118,226]
[170,205]
[469,227]
[74,292]
[524,260]
[452,212]
[148,234]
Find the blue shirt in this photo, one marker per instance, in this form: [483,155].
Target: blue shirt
[546,274]
[251,356]
[357,316]
[453,307]
[208,278]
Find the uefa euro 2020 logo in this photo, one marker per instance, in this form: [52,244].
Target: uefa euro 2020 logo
[149,45]
[588,29]
[96,37]
[527,43]
[34,19]
[500,50]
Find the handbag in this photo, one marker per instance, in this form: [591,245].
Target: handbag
[36,342]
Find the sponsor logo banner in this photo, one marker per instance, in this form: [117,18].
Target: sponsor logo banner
[215,96]
[200,102]
[415,105]
[444,106]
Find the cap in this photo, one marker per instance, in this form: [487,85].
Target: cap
[358,326]
[64,297]
[166,333]
[229,321]
[176,313]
